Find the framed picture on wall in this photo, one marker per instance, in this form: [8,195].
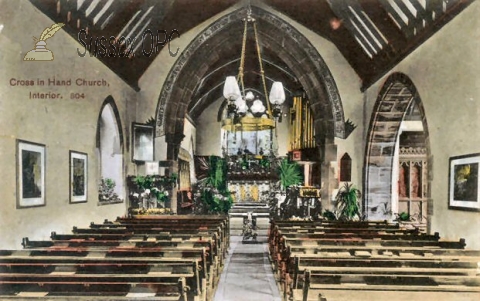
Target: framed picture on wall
[142,142]
[78,177]
[30,174]
[464,192]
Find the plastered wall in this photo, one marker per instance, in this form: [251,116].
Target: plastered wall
[152,80]
[61,124]
[445,72]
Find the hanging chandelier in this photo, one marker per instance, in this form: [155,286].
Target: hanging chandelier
[245,111]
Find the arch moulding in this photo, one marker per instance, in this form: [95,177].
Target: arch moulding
[277,34]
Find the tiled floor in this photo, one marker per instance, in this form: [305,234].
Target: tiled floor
[247,275]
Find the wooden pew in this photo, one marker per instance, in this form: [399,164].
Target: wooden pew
[178,222]
[402,241]
[213,231]
[454,260]
[215,255]
[369,256]
[223,220]
[145,231]
[279,251]
[380,251]
[132,237]
[324,230]
[168,258]
[314,283]
[190,268]
[284,224]
[360,247]
[193,242]
[124,287]
[359,294]
[162,227]
[114,252]
[465,265]
[213,259]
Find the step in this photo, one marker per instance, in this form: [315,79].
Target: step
[238,232]
[245,214]
[250,204]
[236,223]
[251,209]
[245,208]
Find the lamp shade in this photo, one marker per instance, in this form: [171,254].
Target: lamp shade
[249,96]
[231,90]
[277,94]
[241,105]
[257,107]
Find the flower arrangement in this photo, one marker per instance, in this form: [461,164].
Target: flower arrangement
[152,188]
[106,193]
[151,211]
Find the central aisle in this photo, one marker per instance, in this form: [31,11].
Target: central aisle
[247,275]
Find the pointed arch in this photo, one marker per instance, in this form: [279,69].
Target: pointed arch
[110,145]
[276,34]
[394,99]
[109,101]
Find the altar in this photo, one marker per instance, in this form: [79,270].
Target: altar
[249,191]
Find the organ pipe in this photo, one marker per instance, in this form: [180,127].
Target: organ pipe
[301,125]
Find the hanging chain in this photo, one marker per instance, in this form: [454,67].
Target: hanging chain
[242,57]
[262,73]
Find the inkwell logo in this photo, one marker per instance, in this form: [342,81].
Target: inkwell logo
[41,53]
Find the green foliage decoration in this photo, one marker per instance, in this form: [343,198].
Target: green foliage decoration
[290,173]
[211,194]
[403,216]
[265,162]
[106,191]
[155,186]
[329,215]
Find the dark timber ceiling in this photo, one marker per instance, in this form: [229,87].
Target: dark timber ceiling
[372,35]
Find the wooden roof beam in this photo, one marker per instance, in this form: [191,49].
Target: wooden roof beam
[124,11]
[413,21]
[379,16]
[408,30]
[422,12]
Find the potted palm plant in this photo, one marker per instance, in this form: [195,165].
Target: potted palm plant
[348,203]
[290,173]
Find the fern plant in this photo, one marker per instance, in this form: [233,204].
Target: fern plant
[348,202]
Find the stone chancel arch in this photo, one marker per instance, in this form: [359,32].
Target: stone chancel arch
[395,97]
[275,34]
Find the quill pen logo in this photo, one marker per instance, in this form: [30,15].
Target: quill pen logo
[41,53]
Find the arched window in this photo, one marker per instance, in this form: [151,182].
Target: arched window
[110,151]
[346,168]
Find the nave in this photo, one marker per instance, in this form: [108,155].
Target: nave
[194,258]
[379,104]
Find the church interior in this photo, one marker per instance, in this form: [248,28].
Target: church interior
[328,148]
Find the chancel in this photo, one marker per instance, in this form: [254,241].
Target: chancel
[240,150]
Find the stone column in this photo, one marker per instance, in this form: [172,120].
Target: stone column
[173,146]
